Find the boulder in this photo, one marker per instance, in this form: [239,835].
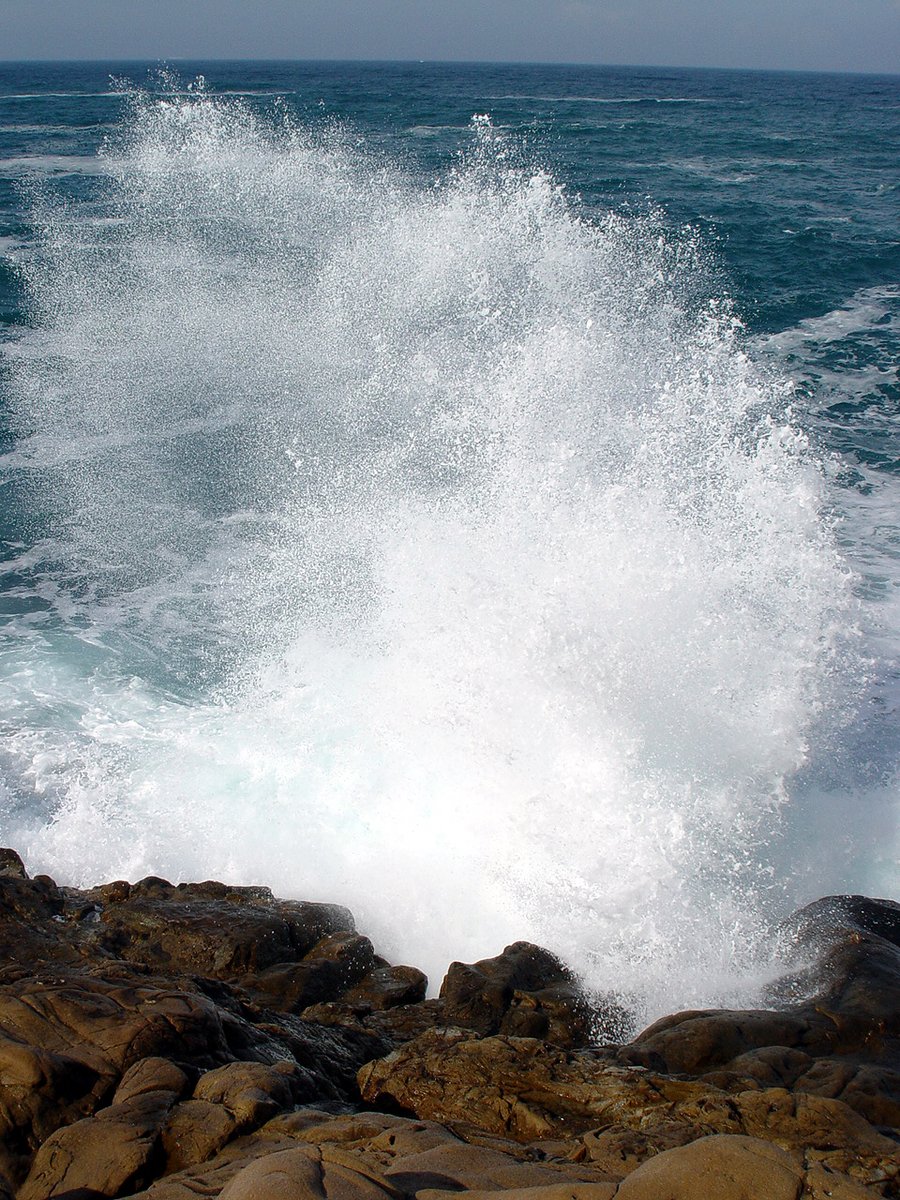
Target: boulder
[100,1156]
[210,929]
[196,1131]
[331,967]
[301,1174]
[717,1168]
[152,1074]
[458,1167]
[524,991]
[388,987]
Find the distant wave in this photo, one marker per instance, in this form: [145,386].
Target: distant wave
[617,99]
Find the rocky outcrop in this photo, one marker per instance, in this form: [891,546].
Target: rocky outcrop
[170,1042]
[524,991]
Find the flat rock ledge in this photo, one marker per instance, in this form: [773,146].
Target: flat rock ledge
[200,1040]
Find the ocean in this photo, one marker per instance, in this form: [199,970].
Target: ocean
[468,493]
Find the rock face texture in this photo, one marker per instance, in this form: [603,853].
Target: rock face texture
[169,1042]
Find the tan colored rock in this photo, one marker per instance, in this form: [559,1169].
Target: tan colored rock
[329,1138]
[39,1091]
[151,1074]
[189,1006]
[521,1088]
[824,1184]
[195,1131]
[717,1168]
[406,1138]
[524,1088]
[460,1166]
[102,1155]
[797,1120]
[300,1174]
[209,1178]
[108,1025]
[553,1191]
[619,1150]
[252,1092]
[226,1102]
[872,1091]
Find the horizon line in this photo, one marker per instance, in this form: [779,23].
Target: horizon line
[452,62]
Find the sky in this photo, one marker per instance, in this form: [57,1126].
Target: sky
[829,35]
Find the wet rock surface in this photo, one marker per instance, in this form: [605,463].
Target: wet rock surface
[170,1042]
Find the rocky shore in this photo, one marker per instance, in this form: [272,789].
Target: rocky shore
[200,1040]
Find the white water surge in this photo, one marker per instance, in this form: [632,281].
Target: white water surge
[428,549]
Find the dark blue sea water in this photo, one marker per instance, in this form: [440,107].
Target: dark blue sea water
[468,492]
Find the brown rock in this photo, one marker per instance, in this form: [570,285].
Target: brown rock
[100,1156]
[528,1090]
[191,1009]
[393,1026]
[300,1174]
[252,1092]
[404,1138]
[11,864]
[332,967]
[716,1168]
[108,1025]
[801,1120]
[553,1191]
[209,1178]
[39,1091]
[517,1087]
[389,987]
[195,1131]
[385,1137]
[873,1092]
[822,1183]
[524,991]
[693,1043]
[151,1075]
[457,1166]
[211,929]
[27,911]
[618,1150]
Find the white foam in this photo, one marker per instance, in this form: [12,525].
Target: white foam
[616,99]
[71,164]
[864,310]
[426,549]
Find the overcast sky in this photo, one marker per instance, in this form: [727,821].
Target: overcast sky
[849,35]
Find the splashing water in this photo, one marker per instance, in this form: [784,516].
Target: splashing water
[429,549]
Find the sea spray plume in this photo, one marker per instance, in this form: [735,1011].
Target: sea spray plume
[438,549]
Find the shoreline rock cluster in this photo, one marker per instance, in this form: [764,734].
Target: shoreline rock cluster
[169,1042]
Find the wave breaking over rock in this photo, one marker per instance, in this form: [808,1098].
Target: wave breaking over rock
[169,1041]
[424,543]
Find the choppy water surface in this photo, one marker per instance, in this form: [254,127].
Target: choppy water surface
[469,494]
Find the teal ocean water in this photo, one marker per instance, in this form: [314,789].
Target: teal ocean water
[465,492]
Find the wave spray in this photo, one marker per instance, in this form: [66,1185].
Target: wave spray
[426,547]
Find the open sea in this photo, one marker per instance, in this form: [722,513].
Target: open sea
[468,493]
